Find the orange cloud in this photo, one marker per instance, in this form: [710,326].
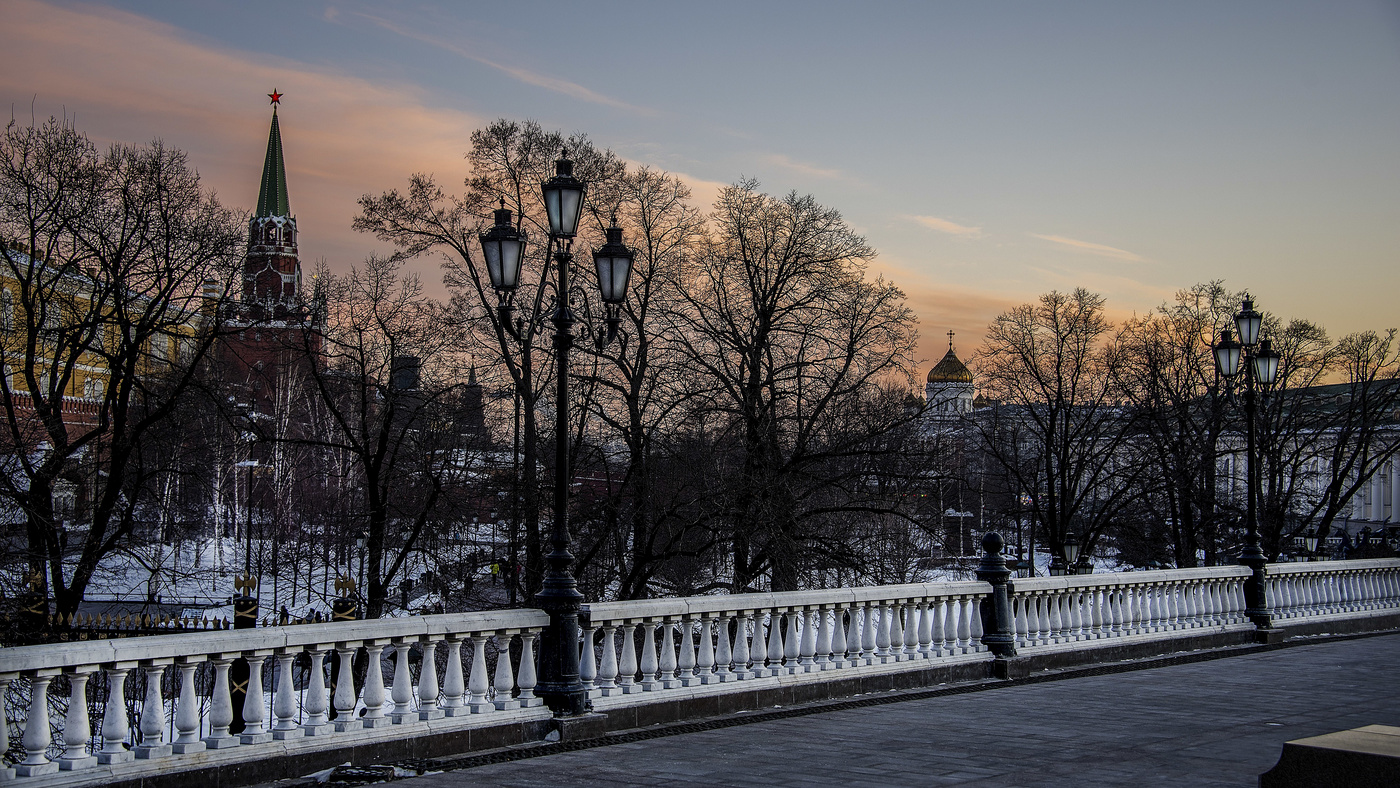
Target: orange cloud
[131,78]
[1092,248]
[802,168]
[945,226]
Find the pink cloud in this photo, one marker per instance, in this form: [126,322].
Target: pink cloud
[946,226]
[1092,248]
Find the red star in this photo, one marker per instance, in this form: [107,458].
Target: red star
[275,96]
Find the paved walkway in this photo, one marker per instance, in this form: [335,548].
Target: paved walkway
[1214,723]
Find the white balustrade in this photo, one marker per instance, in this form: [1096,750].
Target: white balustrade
[707,644]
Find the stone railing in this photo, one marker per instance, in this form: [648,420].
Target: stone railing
[1324,590]
[718,639]
[1048,611]
[166,704]
[182,698]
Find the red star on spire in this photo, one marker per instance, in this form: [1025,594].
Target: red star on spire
[275,96]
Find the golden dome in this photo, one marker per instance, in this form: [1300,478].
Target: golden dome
[950,370]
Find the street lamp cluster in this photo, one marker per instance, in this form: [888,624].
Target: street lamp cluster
[503,248]
[1251,365]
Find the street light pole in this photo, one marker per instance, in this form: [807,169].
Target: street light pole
[1256,359]
[560,684]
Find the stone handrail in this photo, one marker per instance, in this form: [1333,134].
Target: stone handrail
[1332,589]
[1075,608]
[717,639]
[632,652]
[298,712]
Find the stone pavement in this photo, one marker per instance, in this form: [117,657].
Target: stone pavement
[1213,723]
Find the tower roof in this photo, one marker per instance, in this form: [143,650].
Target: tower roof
[272,194]
[950,369]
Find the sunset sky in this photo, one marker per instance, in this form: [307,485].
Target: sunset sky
[989,151]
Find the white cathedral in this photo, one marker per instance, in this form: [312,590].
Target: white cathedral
[949,390]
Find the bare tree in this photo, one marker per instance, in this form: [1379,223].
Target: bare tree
[789,344]
[104,261]
[1064,446]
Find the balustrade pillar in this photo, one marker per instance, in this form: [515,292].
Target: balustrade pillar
[627,671]
[724,656]
[505,677]
[821,646]
[526,680]
[792,649]
[187,710]
[316,704]
[838,637]
[374,687]
[115,728]
[454,683]
[478,687]
[76,726]
[152,725]
[668,656]
[757,647]
[685,662]
[705,662]
[345,697]
[254,711]
[869,639]
[284,699]
[36,728]
[587,660]
[221,707]
[607,671]
[650,666]
[925,630]
[741,648]
[854,641]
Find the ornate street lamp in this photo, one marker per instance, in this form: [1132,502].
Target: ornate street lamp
[560,684]
[1251,365]
[1310,543]
[1063,562]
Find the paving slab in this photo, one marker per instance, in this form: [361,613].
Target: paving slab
[1214,723]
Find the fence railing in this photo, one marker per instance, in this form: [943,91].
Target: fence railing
[1075,608]
[130,706]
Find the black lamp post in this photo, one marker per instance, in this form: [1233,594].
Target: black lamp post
[1310,543]
[503,247]
[1255,359]
[1063,563]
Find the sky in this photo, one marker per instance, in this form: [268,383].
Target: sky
[989,152]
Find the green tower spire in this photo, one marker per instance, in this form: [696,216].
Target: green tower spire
[272,195]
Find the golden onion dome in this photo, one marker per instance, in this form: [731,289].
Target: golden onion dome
[950,370]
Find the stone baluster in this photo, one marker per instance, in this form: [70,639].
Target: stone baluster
[1078,606]
[775,643]
[821,646]
[401,690]
[284,699]
[36,728]
[838,637]
[505,677]
[115,728]
[938,629]
[588,661]
[807,643]
[454,681]
[1190,611]
[627,671]
[882,635]
[76,727]
[374,686]
[724,656]
[965,626]
[478,687]
[974,616]
[650,666]
[1103,619]
[854,639]
[911,631]
[1115,603]
[526,681]
[896,631]
[685,660]
[187,710]
[1057,625]
[870,638]
[668,663]
[923,644]
[344,699]
[428,690]
[1132,613]
[607,669]
[220,707]
[792,644]
[254,711]
[152,726]
[757,647]
[316,704]
[1018,620]
[705,662]
[741,647]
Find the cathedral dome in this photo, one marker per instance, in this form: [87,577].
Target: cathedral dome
[950,370]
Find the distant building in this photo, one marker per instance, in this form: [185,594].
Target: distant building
[949,390]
